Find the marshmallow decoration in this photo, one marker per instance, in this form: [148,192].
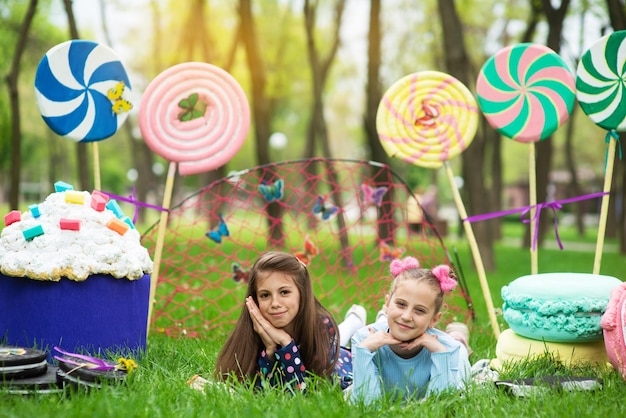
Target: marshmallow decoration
[82,91]
[195,114]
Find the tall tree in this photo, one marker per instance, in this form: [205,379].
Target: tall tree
[12,84]
[459,66]
[262,109]
[617,15]
[373,94]
[317,128]
[142,155]
[555,17]
[320,68]
[81,148]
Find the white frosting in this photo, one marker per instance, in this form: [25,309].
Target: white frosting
[94,249]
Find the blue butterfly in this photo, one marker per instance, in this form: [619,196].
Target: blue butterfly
[219,232]
[323,210]
[272,191]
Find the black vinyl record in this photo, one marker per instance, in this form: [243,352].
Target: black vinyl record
[18,362]
[75,375]
[42,384]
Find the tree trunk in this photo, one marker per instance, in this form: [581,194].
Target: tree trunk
[618,22]
[318,129]
[574,185]
[81,147]
[374,94]
[261,113]
[14,99]
[544,149]
[458,65]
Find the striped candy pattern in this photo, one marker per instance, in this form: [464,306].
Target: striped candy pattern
[71,86]
[426,118]
[526,92]
[600,82]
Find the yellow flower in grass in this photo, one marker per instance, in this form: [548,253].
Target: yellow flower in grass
[126,364]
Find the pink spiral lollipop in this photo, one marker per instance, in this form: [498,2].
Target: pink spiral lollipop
[526,92]
[194,114]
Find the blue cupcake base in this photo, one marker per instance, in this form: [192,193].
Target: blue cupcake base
[98,315]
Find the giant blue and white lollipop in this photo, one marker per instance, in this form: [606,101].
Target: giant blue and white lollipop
[82,91]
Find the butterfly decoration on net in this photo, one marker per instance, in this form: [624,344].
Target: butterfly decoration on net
[310,251]
[118,103]
[240,275]
[324,209]
[220,231]
[373,196]
[387,253]
[272,191]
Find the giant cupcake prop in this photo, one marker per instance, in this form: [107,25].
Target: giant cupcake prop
[73,275]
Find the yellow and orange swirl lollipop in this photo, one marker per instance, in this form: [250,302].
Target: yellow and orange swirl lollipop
[426,118]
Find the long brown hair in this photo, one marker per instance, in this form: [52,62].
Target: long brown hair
[243,347]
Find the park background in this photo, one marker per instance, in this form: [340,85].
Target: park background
[314,73]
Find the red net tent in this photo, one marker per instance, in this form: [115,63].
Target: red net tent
[348,218]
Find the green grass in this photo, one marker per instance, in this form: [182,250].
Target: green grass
[158,388]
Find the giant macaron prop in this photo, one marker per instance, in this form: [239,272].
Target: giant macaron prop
[83,93]
[425,119]
[600,89]
[197,116]
[562,314]
[526,92]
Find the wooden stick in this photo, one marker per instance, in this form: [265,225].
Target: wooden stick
[604,209]
[96,166]
[532,196]
[478,261]
[158,251]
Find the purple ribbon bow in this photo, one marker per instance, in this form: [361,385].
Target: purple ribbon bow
[554,205]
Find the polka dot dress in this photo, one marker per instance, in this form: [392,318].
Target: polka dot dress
[286,368]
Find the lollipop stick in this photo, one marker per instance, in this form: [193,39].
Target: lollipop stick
[532,190]
[96,166]
[167,198]
[604,209]
[480,268]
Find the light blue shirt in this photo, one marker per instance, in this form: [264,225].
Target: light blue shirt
[384,372]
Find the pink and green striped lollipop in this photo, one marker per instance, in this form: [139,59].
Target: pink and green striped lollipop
[526,92]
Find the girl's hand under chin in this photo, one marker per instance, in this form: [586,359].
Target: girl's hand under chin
[270,335]
[377,339]
[426,340]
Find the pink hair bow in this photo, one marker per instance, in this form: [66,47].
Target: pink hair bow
[442,273]
[398,266]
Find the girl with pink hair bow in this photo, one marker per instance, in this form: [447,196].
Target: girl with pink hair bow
[405,355]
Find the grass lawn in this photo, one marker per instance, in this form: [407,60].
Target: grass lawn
[158,388]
